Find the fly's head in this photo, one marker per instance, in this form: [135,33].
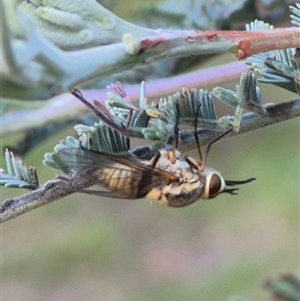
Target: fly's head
[215,184]
[212,181]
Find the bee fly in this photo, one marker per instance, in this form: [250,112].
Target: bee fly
[167,178]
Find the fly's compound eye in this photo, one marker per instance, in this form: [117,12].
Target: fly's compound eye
[215,184]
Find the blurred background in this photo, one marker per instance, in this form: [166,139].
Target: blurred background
[90,248]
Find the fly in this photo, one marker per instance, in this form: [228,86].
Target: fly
[168,178]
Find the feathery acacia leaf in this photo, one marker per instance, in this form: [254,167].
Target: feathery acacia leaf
[18,174]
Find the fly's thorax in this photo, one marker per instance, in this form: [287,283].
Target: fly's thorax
[214,183]
[164,162]
[177,194]
[184,192]
[187,190]
[193,185]
[210,182]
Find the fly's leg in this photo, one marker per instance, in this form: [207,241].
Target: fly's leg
[172,154]
[196,136]
[155,159]
[192,162]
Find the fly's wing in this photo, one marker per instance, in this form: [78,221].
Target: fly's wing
[130,179]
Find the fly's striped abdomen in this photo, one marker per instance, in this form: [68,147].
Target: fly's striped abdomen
[129,178]
[127,182]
